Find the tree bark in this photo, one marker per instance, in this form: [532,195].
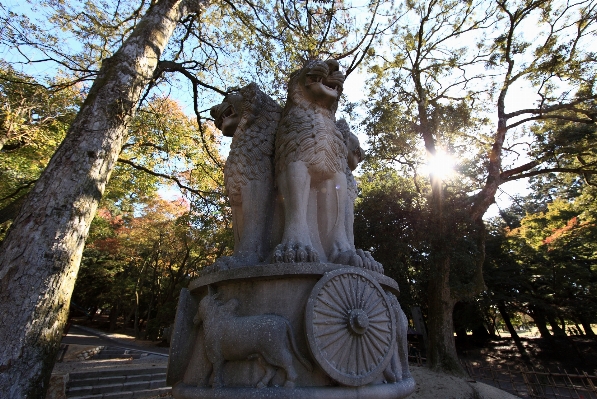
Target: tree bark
[113,318]
[539,319]
[441,353]
[555,327]
[40,257]
[504,312]
[587,327]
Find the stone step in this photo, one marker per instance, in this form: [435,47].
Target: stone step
[117,372]
[103,356]
[115,379]
[129,386]
[117,383]
[144,393]
[111,352]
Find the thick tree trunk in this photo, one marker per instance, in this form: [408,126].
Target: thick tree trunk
[441,353]
[39,259]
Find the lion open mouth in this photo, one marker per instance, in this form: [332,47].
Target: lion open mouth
[313,79]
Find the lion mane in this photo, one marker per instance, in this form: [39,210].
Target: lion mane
[307,130]
[252,147]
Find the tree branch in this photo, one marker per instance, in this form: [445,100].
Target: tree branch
[181,185]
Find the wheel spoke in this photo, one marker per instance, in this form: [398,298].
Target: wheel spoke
[372,348]
[347,285]
[339,334]
[371,292]
[350,364]
[375,312]
[332,330]
[334,299]
[341,293]
[331,313]
[341,343]
[377,335]
[376,343]
[379,324]
[350,354]
[373,305]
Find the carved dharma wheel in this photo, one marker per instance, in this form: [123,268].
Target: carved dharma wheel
[351,329]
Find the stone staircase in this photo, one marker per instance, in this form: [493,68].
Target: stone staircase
[115,352]
[123,383]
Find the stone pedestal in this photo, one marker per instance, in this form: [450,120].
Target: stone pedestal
[298,330]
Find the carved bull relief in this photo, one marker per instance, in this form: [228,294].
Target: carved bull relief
[268,339]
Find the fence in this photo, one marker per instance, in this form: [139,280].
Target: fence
[525,383]
[535,384]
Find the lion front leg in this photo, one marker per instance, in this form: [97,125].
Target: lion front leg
[255,214]
[332,214]
[294,185]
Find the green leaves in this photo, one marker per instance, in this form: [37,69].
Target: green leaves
[33,122]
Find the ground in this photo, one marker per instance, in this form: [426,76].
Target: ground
[568,353]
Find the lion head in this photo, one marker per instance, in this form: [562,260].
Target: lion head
[227,114]
[319,83]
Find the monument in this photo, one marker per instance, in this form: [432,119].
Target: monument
[297,311]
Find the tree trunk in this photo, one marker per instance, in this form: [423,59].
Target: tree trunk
[441,353]
[40,257]
[503,311]
[136,322]
[555,327]
[539,319]
[587,327]
[113,318]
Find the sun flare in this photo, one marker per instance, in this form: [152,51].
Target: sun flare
[440,165]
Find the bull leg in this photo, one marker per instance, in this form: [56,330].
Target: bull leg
[283,359]
[291,376]
[217,373]
[269,372]
[207,377]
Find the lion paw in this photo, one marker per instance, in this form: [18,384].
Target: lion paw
[358,258]
[295,253]
[349,257]
[368,262]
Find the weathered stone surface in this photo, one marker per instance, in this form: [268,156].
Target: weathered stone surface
[321,320]
[280,269]
[256,293]
[379,391]
[308,213]
[267,338]
[351,327]
[250,117]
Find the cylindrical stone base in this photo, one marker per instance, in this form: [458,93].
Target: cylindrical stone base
[217,352]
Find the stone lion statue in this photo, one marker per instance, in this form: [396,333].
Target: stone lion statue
[250,117]
[311,160]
